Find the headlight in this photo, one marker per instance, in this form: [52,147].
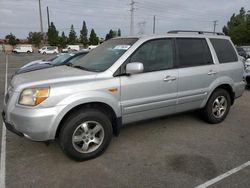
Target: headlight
[33,97]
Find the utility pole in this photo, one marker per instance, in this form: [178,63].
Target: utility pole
[132,17]
[154,25]
[141,26]
[215,24]
[41,20]
[48,16]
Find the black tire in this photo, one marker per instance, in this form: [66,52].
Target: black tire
[71,124]
[44,53]
[207,111]
[28,52]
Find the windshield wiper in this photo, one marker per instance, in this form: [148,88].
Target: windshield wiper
[81,67]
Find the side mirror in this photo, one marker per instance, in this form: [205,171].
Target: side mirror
[134,68]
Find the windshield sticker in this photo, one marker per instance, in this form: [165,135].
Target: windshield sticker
[121,47]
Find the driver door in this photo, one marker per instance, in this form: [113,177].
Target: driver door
[154,92]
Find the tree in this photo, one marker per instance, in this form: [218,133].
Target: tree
[111,35]
[119,33]
[84,34]
[62,40]
[72,35]
[52,35]
[93,39]
[35,38]
[238,28]
[12,40]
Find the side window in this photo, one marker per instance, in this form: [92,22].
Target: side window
[224,50]
[155,55]
[193,52]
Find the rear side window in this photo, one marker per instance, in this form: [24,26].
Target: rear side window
[193,52]
[224,50]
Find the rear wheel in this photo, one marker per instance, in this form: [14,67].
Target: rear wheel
[28,52]
[217,107]
[85,134]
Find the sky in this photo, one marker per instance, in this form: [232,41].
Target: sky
[22,16]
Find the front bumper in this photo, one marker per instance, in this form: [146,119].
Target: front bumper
[11,127]
[37,124]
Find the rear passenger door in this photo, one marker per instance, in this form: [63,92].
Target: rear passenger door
[196,72]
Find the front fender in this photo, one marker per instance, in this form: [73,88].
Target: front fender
[86,97]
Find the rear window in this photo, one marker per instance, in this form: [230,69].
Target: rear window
[224,50]
[193,52]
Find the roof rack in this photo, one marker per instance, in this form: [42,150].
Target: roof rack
[198,32]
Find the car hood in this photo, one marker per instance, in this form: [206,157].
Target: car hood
[49,76]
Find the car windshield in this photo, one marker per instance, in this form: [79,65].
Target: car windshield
[61,59]
[105,55]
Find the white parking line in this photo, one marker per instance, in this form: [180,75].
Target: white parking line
[3,144]
[222,176]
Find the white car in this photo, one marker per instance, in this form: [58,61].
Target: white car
[23,49]
[91,47]
[49,50]
[71,48]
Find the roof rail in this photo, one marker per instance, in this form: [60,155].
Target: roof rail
[198,32]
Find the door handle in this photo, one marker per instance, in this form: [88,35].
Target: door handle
[169,78]
[211,72]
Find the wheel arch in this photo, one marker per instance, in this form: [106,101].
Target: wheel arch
[103,107]
[226,87]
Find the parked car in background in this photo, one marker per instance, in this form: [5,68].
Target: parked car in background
[241,52]
[91,47]
[247,50]
[71,48]
[124,80]
[55,61]
[247,71]
[23,49]
[49,50]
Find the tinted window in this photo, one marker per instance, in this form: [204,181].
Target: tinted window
[193,52]
[224,50]
[155,55]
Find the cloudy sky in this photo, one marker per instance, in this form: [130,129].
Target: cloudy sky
[22,16]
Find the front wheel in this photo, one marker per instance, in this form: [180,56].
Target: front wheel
[85,134]
[217,107]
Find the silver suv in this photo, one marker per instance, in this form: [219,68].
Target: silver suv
[124,80]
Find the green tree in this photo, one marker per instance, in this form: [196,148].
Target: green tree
[72,35]
[119,33]
[35,38]
[84,34]
[238,28]
[93,39]
[52,35]
[12,40]
[62,40]
[111,35]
